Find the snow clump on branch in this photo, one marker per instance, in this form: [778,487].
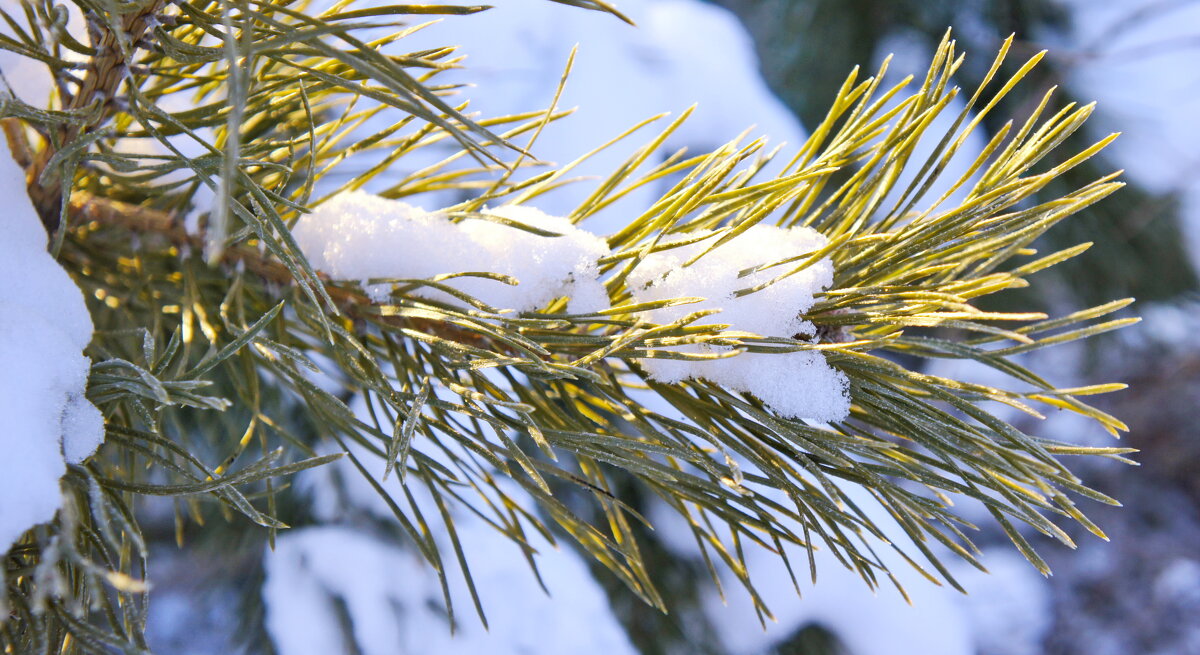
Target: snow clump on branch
[796,384]
[359,236]
[44,327]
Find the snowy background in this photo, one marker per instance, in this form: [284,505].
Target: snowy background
[1135,58]
[1138,594]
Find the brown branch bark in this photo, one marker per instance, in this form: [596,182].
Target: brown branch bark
[105,73]
[85,208]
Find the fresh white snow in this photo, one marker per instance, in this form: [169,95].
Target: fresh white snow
[798,384]
[358,236]
[622,75]
[44,327]
[515,54]
[395,600]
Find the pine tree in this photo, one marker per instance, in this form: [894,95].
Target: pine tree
[223,361]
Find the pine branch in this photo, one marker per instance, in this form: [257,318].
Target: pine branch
[200,363]
[115,43]
[103,212]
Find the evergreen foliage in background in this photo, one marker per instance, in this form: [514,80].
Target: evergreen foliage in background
[215,342]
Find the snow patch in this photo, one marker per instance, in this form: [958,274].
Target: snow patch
[358,236]
[393,597]
[44,327]
[797,384]
[395,603]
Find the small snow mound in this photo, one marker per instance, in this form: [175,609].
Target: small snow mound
[796,384]
[358,236]
[44,327]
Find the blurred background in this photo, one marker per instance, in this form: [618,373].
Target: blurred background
[1138,59]
[777,64]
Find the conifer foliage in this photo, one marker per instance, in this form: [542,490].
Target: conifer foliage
[181,148]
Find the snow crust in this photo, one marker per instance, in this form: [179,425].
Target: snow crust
[44,327]
[797,384]
[357,236]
